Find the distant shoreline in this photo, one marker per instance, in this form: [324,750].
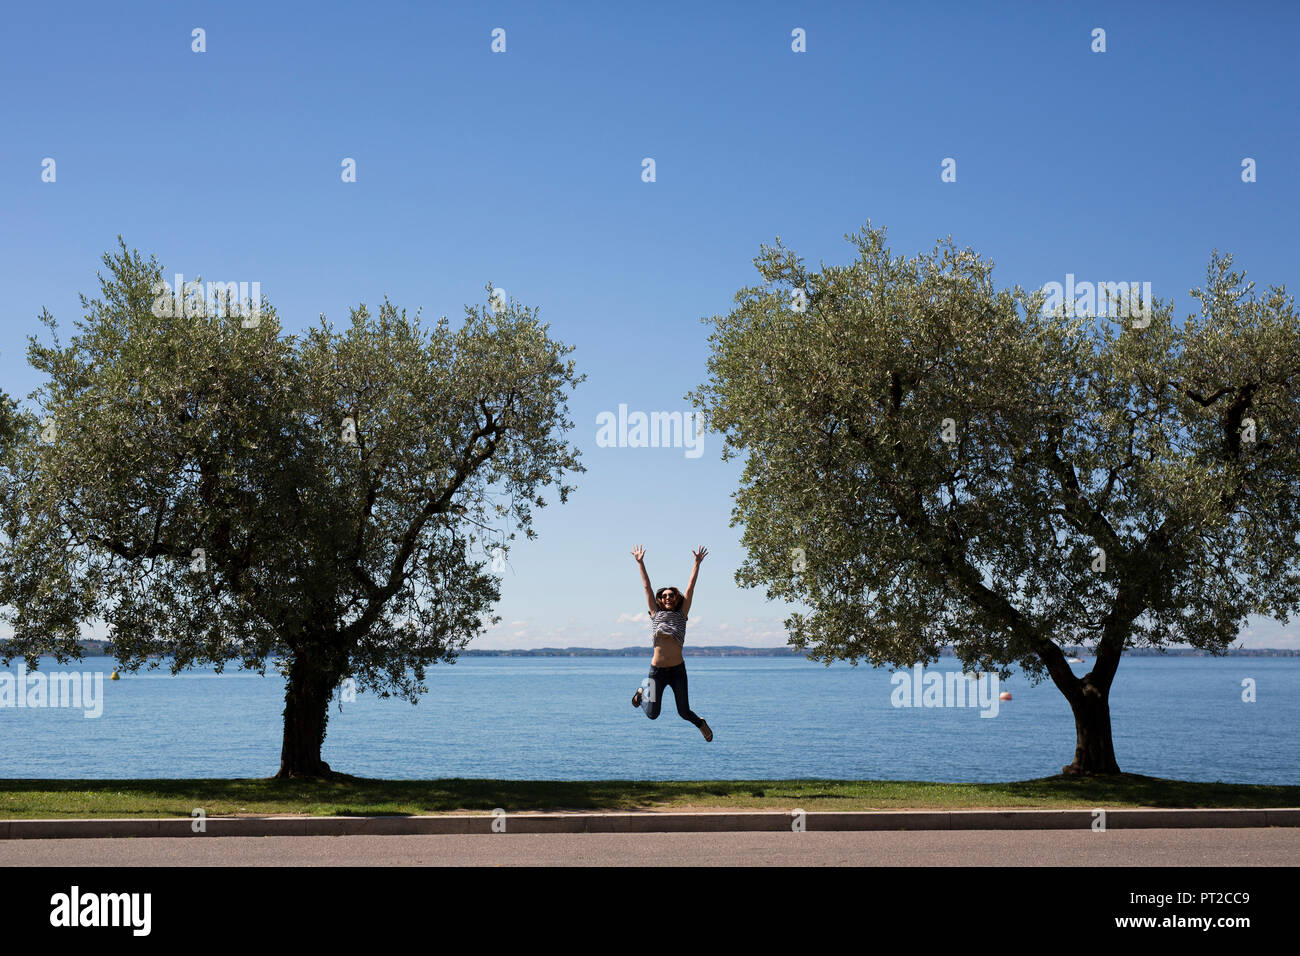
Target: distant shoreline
[737,651]
[103,648]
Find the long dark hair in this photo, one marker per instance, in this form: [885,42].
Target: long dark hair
[680,600]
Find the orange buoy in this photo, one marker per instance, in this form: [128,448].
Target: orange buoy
[1005,695]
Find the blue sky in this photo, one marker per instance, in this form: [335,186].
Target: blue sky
[524,168]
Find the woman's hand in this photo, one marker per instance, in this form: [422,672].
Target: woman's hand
[638,552]
[699,555]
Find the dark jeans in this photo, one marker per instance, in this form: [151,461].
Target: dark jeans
[674,677]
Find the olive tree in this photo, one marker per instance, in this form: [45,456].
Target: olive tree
[933,461]
[216,490]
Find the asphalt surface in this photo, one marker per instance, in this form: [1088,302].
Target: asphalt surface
[1275,846]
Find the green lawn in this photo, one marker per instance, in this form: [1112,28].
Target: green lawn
[360,797]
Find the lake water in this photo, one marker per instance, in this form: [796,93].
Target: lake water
[572,719]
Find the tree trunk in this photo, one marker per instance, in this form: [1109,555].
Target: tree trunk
[306,711]
[1094,750]
[1089,699]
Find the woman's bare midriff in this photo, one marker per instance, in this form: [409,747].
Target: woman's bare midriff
[668,653]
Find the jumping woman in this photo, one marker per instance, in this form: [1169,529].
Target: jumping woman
[668,610]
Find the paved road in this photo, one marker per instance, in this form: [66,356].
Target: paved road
[1277,846]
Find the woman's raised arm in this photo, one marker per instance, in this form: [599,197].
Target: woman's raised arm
[639,552]
[695,571]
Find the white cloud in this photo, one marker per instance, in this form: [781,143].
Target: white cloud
[1263,632]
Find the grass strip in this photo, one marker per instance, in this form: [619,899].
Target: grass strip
[354,796]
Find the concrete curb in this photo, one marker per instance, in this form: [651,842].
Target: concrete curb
[649,822]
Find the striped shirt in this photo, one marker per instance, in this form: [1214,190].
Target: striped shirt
[672,623]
